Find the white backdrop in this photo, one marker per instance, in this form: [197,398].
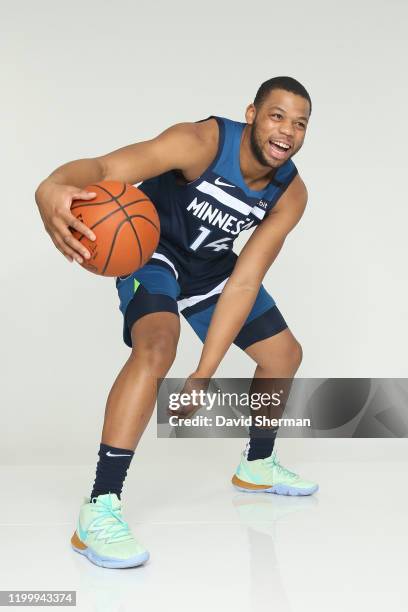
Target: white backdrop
[83,78]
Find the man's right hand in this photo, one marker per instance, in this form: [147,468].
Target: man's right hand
[187,147]
[54,203]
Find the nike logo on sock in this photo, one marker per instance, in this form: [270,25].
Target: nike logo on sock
[109,454]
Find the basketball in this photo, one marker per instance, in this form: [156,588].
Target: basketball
[125,223]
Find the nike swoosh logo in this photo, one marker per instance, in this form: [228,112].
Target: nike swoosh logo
[112,455]
[218,181]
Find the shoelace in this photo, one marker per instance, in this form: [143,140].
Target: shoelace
[273,461]
[110,523]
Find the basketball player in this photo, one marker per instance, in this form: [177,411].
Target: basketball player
[209,181]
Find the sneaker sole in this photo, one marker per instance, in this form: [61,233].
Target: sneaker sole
[110,562]
[279,489]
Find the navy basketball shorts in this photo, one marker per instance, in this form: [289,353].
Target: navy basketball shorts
[159,287]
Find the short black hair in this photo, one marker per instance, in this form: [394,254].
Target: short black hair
[281,82]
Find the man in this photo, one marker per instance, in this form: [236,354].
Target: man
[209,180]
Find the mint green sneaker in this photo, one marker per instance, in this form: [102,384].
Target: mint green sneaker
[104,537]
[269,476]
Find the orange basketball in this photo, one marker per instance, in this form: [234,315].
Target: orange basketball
[125,223]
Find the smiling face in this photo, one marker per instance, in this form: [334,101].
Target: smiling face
[278,127]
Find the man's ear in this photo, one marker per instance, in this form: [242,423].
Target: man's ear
[250,113]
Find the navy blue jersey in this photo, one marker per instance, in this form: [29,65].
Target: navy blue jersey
[201,219]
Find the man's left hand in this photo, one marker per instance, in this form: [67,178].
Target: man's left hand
[197,381]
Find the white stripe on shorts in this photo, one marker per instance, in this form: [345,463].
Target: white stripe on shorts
[164,258]
[186,302]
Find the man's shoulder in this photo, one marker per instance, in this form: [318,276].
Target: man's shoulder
[198,132]
[294,197]
[207,130]
[299,187]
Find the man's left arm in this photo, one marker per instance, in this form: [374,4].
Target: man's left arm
[240,292]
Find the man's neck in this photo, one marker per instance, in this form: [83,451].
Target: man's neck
[255,175]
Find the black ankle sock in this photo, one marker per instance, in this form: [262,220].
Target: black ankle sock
[261,443]
[111,470]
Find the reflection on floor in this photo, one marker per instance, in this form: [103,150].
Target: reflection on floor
[213,548]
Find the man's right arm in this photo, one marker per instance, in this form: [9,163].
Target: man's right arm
[178,147]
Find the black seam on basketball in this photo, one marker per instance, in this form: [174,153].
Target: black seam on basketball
[146,219]
[113,198]
[131,225]
[128,218]
[122,207]
[78,203]
[111,194]
[119,203]
[138,243]
[81,204]
[113,244]
[137,235]
[113,212]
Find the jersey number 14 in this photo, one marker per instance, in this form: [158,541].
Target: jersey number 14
[217,245]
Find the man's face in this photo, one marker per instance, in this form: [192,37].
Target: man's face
[278,127]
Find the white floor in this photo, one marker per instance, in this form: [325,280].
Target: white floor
[213,548]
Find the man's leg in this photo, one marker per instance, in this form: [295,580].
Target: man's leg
[278,359]
[151,328]
[102,535]
[278,356]
[133,395]
[265,337]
